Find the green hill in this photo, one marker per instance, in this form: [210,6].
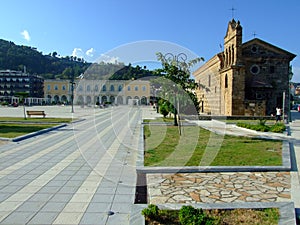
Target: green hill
[15,57]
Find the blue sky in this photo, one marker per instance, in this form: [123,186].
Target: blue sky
[98,28]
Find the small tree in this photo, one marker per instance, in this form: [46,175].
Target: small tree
[177,70]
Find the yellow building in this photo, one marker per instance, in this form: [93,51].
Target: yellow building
[57,91]
[91,92]
[139,90]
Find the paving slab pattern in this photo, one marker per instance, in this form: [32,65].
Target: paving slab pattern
[80,174]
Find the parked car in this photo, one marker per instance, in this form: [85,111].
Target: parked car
[295,107]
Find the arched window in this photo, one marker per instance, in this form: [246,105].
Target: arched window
[144,88]
[96,87]
[128,88]
[136,88]
[112,88]
[232,56]
[120,88]
[88,88]
[226,81]
[104,87]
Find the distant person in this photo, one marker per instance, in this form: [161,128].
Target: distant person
[278,114]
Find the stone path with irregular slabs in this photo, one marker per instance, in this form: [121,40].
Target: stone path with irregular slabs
[219,187]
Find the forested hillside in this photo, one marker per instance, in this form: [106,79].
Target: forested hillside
[51,66]
[15,57]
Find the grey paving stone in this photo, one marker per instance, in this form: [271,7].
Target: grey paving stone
[99,207]
[45,218]
[106,190]
[124,189]
[68,189]
[62,177]
[94,219]
[102,198]
[30,206]
[10,189]
[4,196]
[124,198]
[21,182]
[49,189]
[18,218]
[77,177]
[41,197]
[73,183]
[119,207]
[51,206]
[118,218]
[60,197]
[13,176]
[56,183]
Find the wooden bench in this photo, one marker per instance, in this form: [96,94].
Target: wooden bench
[36,113]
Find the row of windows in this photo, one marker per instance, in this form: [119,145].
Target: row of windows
[14,79]
[56,87]
[112,88]
[88,88]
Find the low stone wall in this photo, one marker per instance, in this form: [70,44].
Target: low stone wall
[210,117]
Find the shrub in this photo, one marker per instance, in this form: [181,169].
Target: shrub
[188,215]
[278,128]
[164,110]
[151,212]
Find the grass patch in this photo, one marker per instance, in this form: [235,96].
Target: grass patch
[199,147]
[37,120]
[15,130]
[268,216]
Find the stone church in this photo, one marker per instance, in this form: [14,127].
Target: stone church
[250,78]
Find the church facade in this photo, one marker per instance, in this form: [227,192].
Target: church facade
[250,78]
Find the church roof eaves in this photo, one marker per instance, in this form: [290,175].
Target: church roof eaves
[257,40]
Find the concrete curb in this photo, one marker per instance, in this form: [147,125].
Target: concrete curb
[287,211]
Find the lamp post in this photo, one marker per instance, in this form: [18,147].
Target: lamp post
[175,106]
[72,92]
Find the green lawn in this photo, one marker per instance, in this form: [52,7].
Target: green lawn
[35,119]
[199,147]
[13,130]
[11,127]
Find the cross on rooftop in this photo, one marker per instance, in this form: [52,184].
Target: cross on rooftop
[232,11]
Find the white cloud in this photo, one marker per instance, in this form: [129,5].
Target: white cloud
[108,59]
[90,52]
[77,52]
[25,35]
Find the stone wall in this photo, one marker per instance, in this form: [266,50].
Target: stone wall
[255,108]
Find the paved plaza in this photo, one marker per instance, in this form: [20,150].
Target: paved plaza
[85,172]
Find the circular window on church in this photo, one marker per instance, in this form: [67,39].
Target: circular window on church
[255,69]
[254,49]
